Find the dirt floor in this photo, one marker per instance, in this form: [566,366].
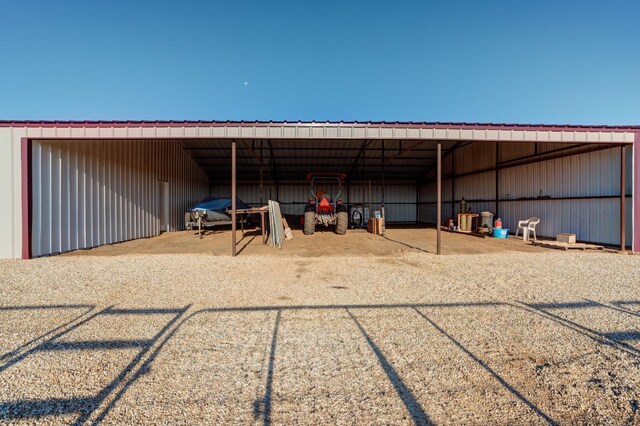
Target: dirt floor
[516,336]
[355,242]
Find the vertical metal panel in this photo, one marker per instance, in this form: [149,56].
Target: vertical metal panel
[7,184]
[89,193]
[511,151]
[586,175]
[473,187]
[399,197]
[476,156]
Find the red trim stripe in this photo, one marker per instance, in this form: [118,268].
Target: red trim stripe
[636,194]
[391,124]
[25,159]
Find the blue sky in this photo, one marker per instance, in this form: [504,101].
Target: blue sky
[512,61]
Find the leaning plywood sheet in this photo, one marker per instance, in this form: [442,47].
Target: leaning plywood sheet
[276,227]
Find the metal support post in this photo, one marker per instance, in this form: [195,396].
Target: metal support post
[439,200]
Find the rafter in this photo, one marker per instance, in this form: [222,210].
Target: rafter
[364,146]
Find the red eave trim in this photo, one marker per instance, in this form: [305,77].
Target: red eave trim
[396,124]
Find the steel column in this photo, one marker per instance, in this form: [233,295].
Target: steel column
[439,200]
[25,160]
[623,190]
[636,193]
[233,198]
[382,206]
[497,180]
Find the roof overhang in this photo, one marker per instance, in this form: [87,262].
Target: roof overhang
[478,132]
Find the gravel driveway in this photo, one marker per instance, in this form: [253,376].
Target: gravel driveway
[514,338]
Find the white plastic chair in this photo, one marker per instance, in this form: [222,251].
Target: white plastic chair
[528,226]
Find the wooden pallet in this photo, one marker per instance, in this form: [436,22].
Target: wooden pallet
[566,246]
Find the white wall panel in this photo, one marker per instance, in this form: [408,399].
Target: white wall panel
[594,174]
[93,192]
[10,192]
[476,156]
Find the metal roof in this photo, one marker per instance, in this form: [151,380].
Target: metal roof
[429,124]
[294,159]
[291,149]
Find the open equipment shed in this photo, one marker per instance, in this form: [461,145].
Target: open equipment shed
[68,185]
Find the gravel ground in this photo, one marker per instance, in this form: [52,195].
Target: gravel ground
[510,338]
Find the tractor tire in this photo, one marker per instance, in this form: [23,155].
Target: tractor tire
[309,223]
[342,222]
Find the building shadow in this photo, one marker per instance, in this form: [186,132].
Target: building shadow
[95,409]
[244,246]
[412,405]
[489,370]
[406,245]
[262,407]
[605,339]
[84,406]
[16,351]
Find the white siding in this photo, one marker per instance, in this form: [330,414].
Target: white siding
[400,198]
[88,193]
[9,181]
[113,206]
[594,174]
[321,130]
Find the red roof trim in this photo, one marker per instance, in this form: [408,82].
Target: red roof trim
[400,124]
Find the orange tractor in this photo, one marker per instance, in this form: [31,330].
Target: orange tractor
[324,209]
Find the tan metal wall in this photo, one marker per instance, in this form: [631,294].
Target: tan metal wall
[399,197]
[88,193]
[594,174]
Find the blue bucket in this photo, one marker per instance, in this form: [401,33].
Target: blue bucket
[501,233]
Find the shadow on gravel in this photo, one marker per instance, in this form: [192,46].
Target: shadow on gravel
[405,394]
[84,406]
[407,245]
[262,407]
[16,351]
[94,409]
[614,339]
[488,369]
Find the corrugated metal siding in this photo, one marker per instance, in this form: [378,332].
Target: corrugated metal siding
[476,156]
[400,198]
[595,174]
[90,193]
[427,212]
[323,130]
[595,220]
[10,164]
[511,151]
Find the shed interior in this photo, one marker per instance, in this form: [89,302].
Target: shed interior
[93,192]
[571,187]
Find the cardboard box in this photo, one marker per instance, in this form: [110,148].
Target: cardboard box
[566,238]
[375,226]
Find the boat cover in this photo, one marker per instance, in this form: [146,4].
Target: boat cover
[217,204]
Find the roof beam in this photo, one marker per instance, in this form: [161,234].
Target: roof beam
[272,162]
[450,151]
[251,151]
[324,165]
[303,157]
[405,150]
[364,146]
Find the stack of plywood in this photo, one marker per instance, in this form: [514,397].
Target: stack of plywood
[375,226]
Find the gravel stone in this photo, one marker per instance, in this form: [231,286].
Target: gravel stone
[519,337]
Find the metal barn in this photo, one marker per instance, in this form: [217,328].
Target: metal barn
[80,184]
